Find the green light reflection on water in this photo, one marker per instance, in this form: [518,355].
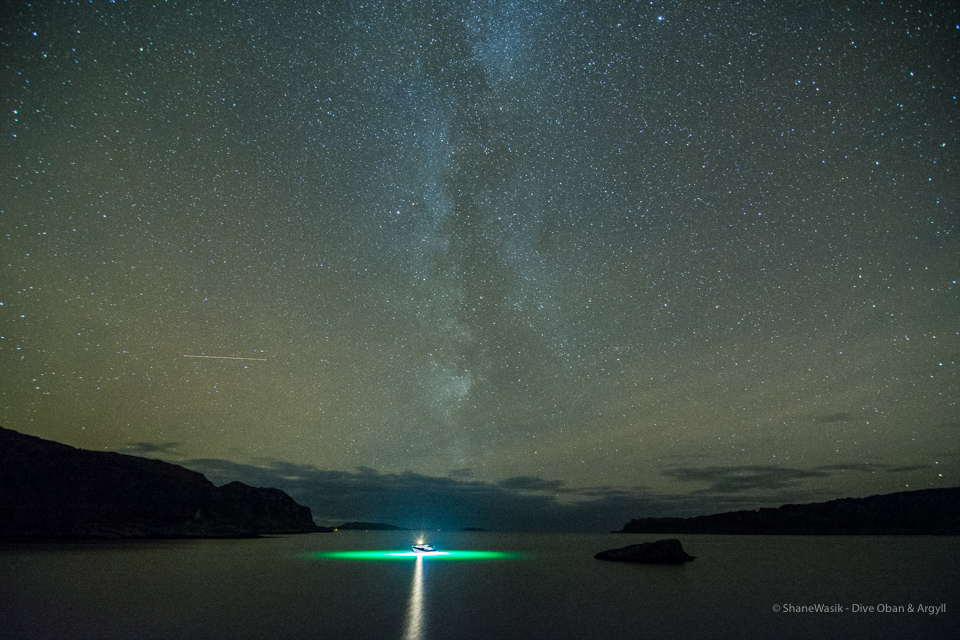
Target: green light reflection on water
[394,555]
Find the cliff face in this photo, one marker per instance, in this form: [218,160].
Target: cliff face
[48,489]
[924,512]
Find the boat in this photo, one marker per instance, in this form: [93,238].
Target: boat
[422,547]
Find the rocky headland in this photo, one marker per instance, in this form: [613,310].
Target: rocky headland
[922,512]
[50,490]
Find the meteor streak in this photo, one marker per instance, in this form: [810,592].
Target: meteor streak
[226,358]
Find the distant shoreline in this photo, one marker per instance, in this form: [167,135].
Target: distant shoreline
[922,512]
[368,526]
[71,539]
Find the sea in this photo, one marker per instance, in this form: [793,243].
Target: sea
[486,585]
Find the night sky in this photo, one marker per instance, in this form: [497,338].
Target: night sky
[529,264]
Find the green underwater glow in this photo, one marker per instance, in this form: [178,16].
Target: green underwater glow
[399,555]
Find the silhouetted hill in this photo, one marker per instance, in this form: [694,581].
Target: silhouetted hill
[370,526]
[923,512]
[48,489]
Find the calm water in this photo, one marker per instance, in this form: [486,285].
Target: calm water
[280,588]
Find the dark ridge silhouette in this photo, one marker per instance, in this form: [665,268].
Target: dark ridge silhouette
[52,490]
[923,512]
[369,526]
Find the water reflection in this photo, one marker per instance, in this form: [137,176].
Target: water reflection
[415,625]
[400,556]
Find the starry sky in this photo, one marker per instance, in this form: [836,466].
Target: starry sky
[528,264]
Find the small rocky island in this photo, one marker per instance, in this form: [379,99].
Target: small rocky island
[50,490]
[659,552]
[923,512]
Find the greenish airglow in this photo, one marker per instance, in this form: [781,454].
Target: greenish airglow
[394,555]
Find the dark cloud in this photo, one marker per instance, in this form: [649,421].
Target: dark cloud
[146,448]
[530,483]
[832,417]
[742,479]
[908,468]
[525,502]
[413,500]
[772,483]
[522,503]
[863,467]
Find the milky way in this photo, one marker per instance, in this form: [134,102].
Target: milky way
[677,254]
